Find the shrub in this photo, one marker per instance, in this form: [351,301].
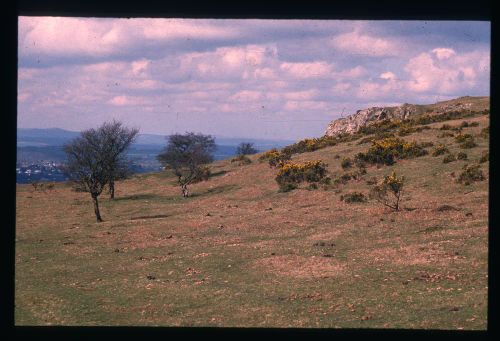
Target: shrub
[241,160]
[405,130]
[485,157]
[485,132]
[306,145]
[337,156]
[447,116]
[449,158]
[385,151]
[353,197]
[267,155]
[371,181]
[464,124]
[468,144]
[461,156]
[439,150]
[470,174]
[246,148]
[346,163]
[461,138]
[377,136]
[466,141]
[290,174]
[474,124]
[445,127]
[274,157]
[380,127]
[426,144]
[389,191]
[287,187]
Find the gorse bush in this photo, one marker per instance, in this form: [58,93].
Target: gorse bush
[461,138]
[470,174]
[426,144]
[290,174]
[466,141]
[447,116]
[440,149]
[449,158]
[485,132]
[485,157]
[386,151]
[275,157]
[389,191]
[378,136]
[466,124]
[353,197]
[380,127]
[346,163]
[406,129]
[268,154]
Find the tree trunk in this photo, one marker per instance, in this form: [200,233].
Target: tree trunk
[111,189]
[185,192]
[96,208]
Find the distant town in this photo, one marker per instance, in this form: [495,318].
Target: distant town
[49,171]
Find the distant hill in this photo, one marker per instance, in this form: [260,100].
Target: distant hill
[58,137]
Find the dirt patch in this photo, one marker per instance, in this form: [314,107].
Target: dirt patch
[332,235]
[140,239]
[413,255]
[301,267]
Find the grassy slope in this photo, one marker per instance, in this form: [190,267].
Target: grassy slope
[297,259]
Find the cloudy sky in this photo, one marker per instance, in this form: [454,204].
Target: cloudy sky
[281,79]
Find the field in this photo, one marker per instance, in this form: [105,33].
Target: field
[238,253]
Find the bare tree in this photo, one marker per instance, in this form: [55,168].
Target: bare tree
[96,159]
[246,148]
[86,167]
[185,155]
[116,140]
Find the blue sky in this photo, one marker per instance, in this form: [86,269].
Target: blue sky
[281,79]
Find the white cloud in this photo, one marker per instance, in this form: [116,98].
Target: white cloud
[355,72]
[443,53]
[388,75]
[123,100]
[430,72]
[301,95]
[357,43]
[317,69]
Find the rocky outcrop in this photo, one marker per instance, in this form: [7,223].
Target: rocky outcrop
[361,118]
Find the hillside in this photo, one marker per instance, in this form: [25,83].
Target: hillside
[238,253]
[362,118]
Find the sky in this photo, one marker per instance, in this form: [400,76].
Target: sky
[272,79]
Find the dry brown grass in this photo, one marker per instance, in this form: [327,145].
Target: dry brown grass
[260,258]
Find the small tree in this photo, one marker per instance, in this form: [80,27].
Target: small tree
[86,166]
[389,191]
[185,155]
[116,140]
[246,148]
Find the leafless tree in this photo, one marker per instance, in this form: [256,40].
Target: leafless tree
[246,148]
[185,155]
[96,159]
[116,140]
